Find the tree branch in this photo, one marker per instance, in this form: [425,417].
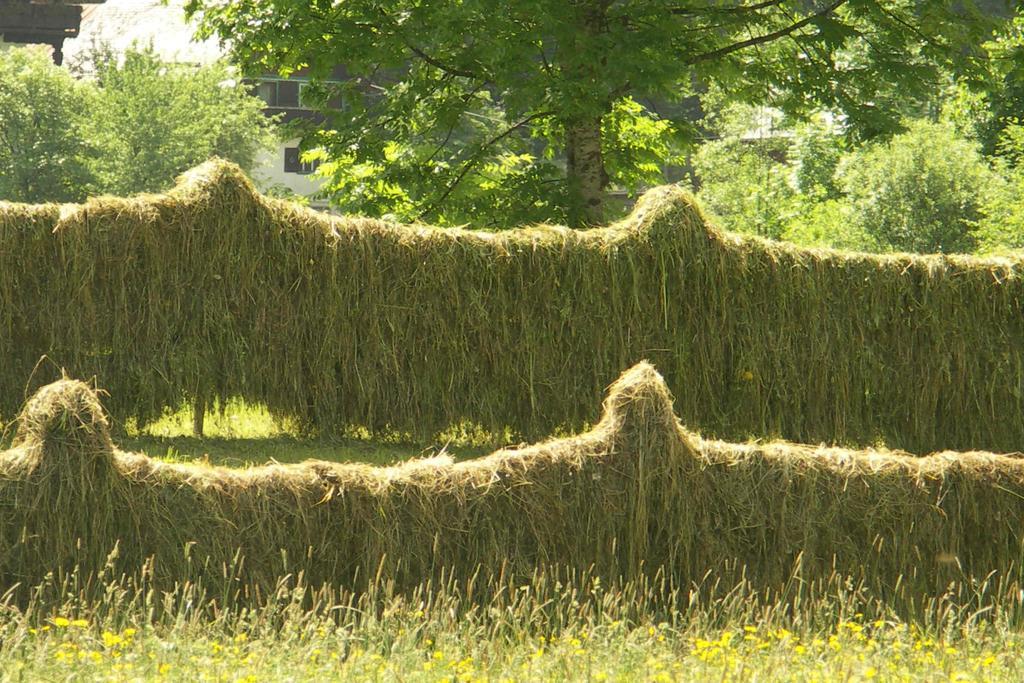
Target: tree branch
[742,9]
[910,27]
[475,159]
[448,69]
[765,38]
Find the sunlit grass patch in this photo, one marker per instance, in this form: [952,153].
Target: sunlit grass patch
[239,435]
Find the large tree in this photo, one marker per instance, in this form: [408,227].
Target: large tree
[539,97]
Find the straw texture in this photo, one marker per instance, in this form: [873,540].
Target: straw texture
[639,495]
[213,291]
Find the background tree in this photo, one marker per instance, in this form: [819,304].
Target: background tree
[558,70]
[923,191]
[743,175]
[1002,226]
[44,154]
[130,125]
[152,120]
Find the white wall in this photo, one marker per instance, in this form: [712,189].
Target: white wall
[269,172]
[124,23]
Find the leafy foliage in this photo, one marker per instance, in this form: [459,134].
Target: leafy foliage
[744,179]
[828,223]
[44,155]
[923,191]
[154,120]
[133,126]
[816,151]
[1002,227]
[567,76]
[984,113]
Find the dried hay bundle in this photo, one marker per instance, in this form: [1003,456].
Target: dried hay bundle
[212,291]
[637,495]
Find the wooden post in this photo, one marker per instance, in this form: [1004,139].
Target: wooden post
[198,416]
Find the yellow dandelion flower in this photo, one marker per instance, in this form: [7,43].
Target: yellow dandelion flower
[80,623]
[111,640]
[61,622]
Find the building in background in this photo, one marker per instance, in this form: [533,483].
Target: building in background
[160,24]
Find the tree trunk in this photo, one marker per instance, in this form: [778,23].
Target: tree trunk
[585,172]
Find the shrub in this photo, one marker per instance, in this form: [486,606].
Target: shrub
[745,186]
[921,192]
[827,223]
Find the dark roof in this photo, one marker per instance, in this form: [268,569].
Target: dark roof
[41,21]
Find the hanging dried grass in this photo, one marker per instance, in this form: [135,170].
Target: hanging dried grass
[638,495]
[213,291]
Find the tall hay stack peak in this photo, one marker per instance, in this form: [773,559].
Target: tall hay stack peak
[640,399]
[67,413]
[665,212]
[211,179]
[68,500]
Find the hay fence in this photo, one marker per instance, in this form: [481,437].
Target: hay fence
[635,495]
[212,291]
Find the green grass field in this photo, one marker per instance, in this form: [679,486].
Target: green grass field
[546,630]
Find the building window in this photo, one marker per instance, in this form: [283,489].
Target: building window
[294,164]
[285,94]
[281,94]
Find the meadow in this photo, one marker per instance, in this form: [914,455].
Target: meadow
[546,630]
